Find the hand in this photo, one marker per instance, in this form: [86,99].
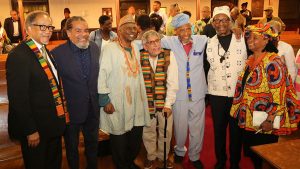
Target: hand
[109,108]
[33,139]
[266,126]
[237,33]
[167,112]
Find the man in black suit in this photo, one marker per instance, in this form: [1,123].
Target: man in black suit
[78,63]
[37,115]
[12,27]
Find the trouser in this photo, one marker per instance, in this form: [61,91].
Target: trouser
[47,155]
[125,147]
[189,116]
[90,133]
[252,139]
[221,117]
[150,138]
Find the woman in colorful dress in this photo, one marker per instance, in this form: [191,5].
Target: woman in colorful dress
[264,89]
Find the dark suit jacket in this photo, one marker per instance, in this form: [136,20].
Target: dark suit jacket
[9,28]
[79,93]
[31,103]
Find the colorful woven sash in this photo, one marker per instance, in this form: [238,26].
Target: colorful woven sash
[58,96]
[155,83]
[187,48]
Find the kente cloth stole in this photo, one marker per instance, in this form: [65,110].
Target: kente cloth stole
[60,101]
[155,83]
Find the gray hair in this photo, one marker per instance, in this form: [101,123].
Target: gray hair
[69,22]
[31,17]
[149,33]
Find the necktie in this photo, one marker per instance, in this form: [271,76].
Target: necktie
[44,53]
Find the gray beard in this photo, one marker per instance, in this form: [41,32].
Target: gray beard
[83,46]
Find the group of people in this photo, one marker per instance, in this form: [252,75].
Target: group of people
[127,86]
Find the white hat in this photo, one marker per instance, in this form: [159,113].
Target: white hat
[221,9]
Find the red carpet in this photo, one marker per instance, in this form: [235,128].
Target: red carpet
[207,155]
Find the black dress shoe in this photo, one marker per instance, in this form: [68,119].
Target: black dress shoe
[234,166]
[197,164]
[220,166]
[134,166]
[178,159]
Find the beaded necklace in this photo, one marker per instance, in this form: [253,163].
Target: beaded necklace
[127,60]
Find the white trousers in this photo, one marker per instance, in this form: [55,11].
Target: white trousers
[154,143]
[189,116]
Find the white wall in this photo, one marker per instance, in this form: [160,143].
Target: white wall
[5,8]
[89,9]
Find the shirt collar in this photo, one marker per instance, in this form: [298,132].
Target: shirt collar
[37,44]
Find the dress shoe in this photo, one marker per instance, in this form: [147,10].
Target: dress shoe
[197,164]
[178,159]
[134,166]
[220,166]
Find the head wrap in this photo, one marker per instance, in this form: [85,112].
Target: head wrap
[126,19]
[179,20]
[221,10]
[261,29]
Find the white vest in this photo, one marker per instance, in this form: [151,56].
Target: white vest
[222,77]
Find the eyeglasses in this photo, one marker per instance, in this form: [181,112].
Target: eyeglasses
[44,27]
[153,42]
[218,21]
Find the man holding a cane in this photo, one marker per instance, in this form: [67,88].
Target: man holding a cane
[160,73]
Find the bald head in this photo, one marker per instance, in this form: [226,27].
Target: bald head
[205,12]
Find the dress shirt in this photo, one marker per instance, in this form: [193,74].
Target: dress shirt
[48,60]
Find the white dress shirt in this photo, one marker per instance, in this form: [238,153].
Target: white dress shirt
[48,59]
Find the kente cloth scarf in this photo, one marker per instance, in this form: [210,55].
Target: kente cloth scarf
[60,101]
[187,47]
[155,82]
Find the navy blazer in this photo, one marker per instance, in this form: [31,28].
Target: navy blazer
[79,93]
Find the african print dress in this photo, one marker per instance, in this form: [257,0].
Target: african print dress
[267,88]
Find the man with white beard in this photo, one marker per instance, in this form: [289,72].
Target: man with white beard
[78,63]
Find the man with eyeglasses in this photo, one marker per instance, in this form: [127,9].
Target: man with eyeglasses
[37,114]
[78,62]
[225,55]
[160,73]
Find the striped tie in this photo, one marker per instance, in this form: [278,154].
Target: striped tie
[44,53]
[188,80]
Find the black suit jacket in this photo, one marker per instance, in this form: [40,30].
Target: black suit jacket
[31,103]
[81,96]
[9,28]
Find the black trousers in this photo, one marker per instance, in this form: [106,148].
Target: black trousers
[47,155]
[252,139]
[90,133]
[221,118]
[126,147]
